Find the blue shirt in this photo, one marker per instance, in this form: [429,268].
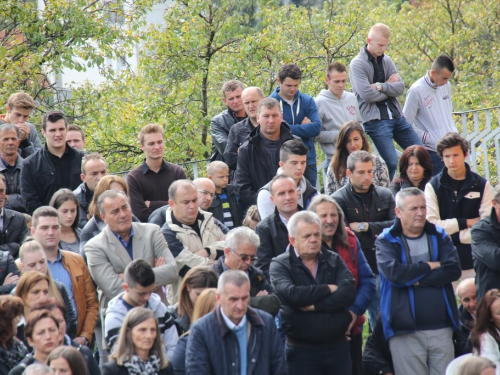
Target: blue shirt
[61,274]
[240,331]
[127,246]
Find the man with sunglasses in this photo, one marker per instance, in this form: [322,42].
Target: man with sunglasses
[240,254]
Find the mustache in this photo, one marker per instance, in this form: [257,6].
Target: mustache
[329,226]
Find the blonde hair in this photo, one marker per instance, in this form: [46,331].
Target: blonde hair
[21,100]
[206,303]
[103,185]
[474,365]
[380,29]
[150,129]
[216,166]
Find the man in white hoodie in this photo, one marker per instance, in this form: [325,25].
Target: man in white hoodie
[335,106]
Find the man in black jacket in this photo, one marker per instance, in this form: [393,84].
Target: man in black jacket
[258,158]
[9,273]
[13,229]
[272,230]
[368,210]
[239,254]
[486,248]
[316,290]
[52,167]
[239,132]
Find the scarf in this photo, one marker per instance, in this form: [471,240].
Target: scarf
[15,353]
[136,366]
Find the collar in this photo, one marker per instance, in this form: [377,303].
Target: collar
[67,150]
[320,254]
[177,222]
[230,324]
[121,238]
[371,57]
[146,169]
[429,82]
[283,220]
[7,165]
[2,213]
[59,256]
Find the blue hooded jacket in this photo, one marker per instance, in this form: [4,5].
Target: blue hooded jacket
[303,106]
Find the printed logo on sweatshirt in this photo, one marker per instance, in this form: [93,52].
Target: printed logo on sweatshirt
[352,109]
[428,101]
[446,97]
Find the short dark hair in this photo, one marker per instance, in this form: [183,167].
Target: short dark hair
[442,62]
[232,85]
[33,318]
[292,147]
[289,70]
[139,272]
[53,116]
[280,176]
[268,103]
[44,211]
[184,183]
[76,128]
[361,156]
[450,140]
[337,66]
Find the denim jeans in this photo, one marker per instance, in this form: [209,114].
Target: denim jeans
[437,163]
[374,307]
[383,134]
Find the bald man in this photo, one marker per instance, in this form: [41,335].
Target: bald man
[238,134]
[206,192]
[466,295]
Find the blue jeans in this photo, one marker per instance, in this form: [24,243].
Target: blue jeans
[335,361]
[437,163]
[383,132]
[374,307]
[311,174]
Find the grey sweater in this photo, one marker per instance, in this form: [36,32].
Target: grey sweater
[334,112]
[361,77]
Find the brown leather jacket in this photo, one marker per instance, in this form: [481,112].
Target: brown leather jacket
[84,293]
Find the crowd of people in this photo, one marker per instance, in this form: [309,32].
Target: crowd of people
[251,270]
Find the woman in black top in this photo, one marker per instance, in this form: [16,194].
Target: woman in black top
[415,169]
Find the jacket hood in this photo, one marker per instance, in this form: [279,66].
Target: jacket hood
[277,96]
[329,95]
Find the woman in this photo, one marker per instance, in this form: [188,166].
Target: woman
[95,225]
[32,258]
[196,280]
[485,336]
[476,366]
[252,217]
[12,350]
[352,137]
[206,303]
[66,204]
[66,360]
[42,333]
[139,350]
[56,308]
[415,169]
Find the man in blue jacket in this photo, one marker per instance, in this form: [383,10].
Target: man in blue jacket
[417,263]
[300,112]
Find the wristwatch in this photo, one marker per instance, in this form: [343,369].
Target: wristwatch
[361,227]
[378,85]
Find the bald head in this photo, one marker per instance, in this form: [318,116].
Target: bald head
[466,294]
[206,192]
[251,97]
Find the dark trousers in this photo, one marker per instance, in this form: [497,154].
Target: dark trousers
[335,361]
[356,350]
[311,173]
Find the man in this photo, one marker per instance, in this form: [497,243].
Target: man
[94,168]
[316,290]
[341,240]
[272,230]
[429,109]
[9,273]
[51,168]
[238,134]
[224,121]
[336,106]
[368,209]
[293,162]
[139,282]
[258,158]
[70,269]
[122,241]
[457,198]
[75,137]
[206,192]
[19,107]
[466,295]
[194,236]
[13,229]
[149,182]
[10,166]
[300,113]
[485,236]
[239,254]
[377,85]
[234,338]
[417,262]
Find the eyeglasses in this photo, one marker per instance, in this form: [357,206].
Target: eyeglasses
[245,257]
[204,192]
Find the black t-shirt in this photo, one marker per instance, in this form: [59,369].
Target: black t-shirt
[455,184]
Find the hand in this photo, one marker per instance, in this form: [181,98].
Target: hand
[374,86]
[333,288]
[307,308]
[24,129]
[416,284]
[393,78]
[471,222]
[80,340]
[202,253]
[305,121]
[434,265]
[353,320]
[354,226]
[147,203]
[11,279]
[262,293]
[159,262]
